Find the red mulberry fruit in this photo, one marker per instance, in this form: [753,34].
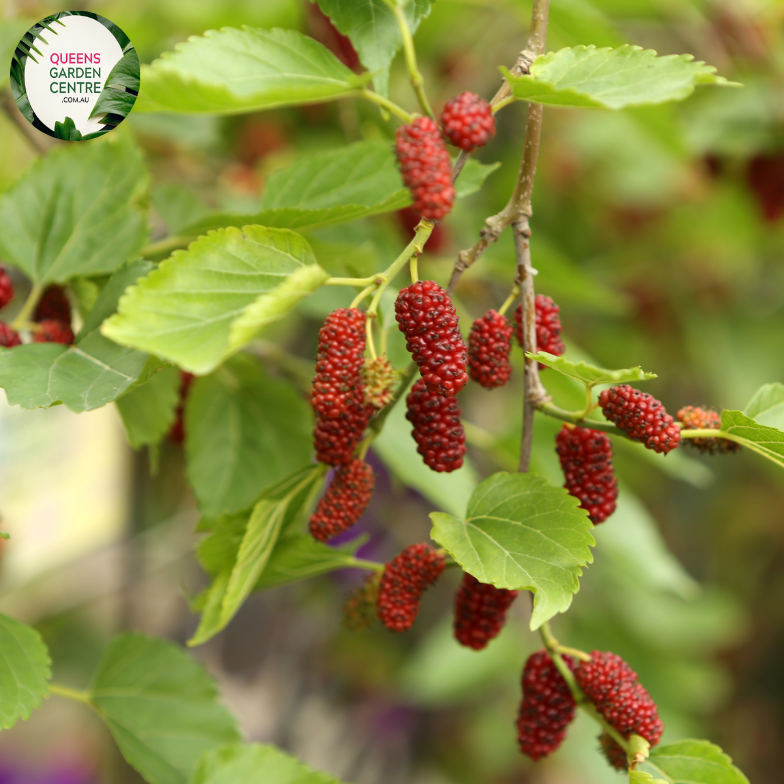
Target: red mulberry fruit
[405,579]
[51,331]
[177,431]
[336,439]
[380,379]
[641,417]
[694,418]
[6,288]
[586,460]
[547,708]
[53,306]
[426,168]
[616,756]
[361,607]
[341,349]
[468,121]
[437,428]
[548,327]
[345,501]
[489,345]
[480,612]
[612,686]
[9,337]
[427,317]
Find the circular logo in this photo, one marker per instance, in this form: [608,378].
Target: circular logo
[75,75]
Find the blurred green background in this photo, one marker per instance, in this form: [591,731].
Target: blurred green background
[660,233]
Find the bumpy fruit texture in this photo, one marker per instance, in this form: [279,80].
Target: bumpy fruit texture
[361,607]
[641,417]
[336,439]
[51,331]
[586,460]
[694,418]
[427,317]
[480,612]
[612,686]
[426,168]
[9,337]
[177,431]
[615,755]
[547,708]
[489,345]
[6,288]
[405,579]
[341,350]
[53,306]
[548,327]
[380,379]
[345,501]
[468,121]
[438,430]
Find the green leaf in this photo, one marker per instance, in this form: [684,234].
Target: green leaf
[114,98]
[640,777]
[473,176]
[521,533]
[67,130]
[251,764]
[75,212]
[24,671]
[696,762]
[588,374]
[147,410]
[767,406]
[11,32]
[205,303]
[766,441]
[373,30]
[245,431]
[244,70]
[607,78]
[161,707]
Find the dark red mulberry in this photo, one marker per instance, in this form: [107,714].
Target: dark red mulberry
[641,417]
[405,579]
[480,612]
[612,686]
[489,345]
[53,306]
[547,708]
[548,327]
[177,431]
[336,439]
[51,331]
[428,319]
[426,168]
[615,755]
[345,501]
[9,337]
[586,460]
[694,418]
[437,428]
[341,354]
[6,288]
[468,121]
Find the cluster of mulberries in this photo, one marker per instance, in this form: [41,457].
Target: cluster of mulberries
[489,345]
[9,337]
[586,460]
[547,708]
[425,167]
[379,377]
[52,316]
[694,418]
[613,687]
[361,607]
[468,122]
[405,579]
[177,430]
[438,430]
[641,417]
[480,612]
[427,317]
[345,501]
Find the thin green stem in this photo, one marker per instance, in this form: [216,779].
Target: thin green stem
[576,418]
[23,317]
[371,279]
[70,694]
[513,295]
[362,294]
[161,249]
[417,81]
[588,403]
[415,268]
[501,104]
[385,103]
[369,332]
[372,566]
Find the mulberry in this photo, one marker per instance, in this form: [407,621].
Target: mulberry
[427,317]
[336,439]
[426,168]
[489,345]
[345,501]
[468,121]
[641,417]
[437,428]
[480,612]
[341,349]
[548,327]
[6,288]
[616,756]
[9,337]
[51,331]
[547,708]
[53,306]
[612,686]
[694,418]
[177,431]
[586,460]
[379,377]
[361,607]
[405,579]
